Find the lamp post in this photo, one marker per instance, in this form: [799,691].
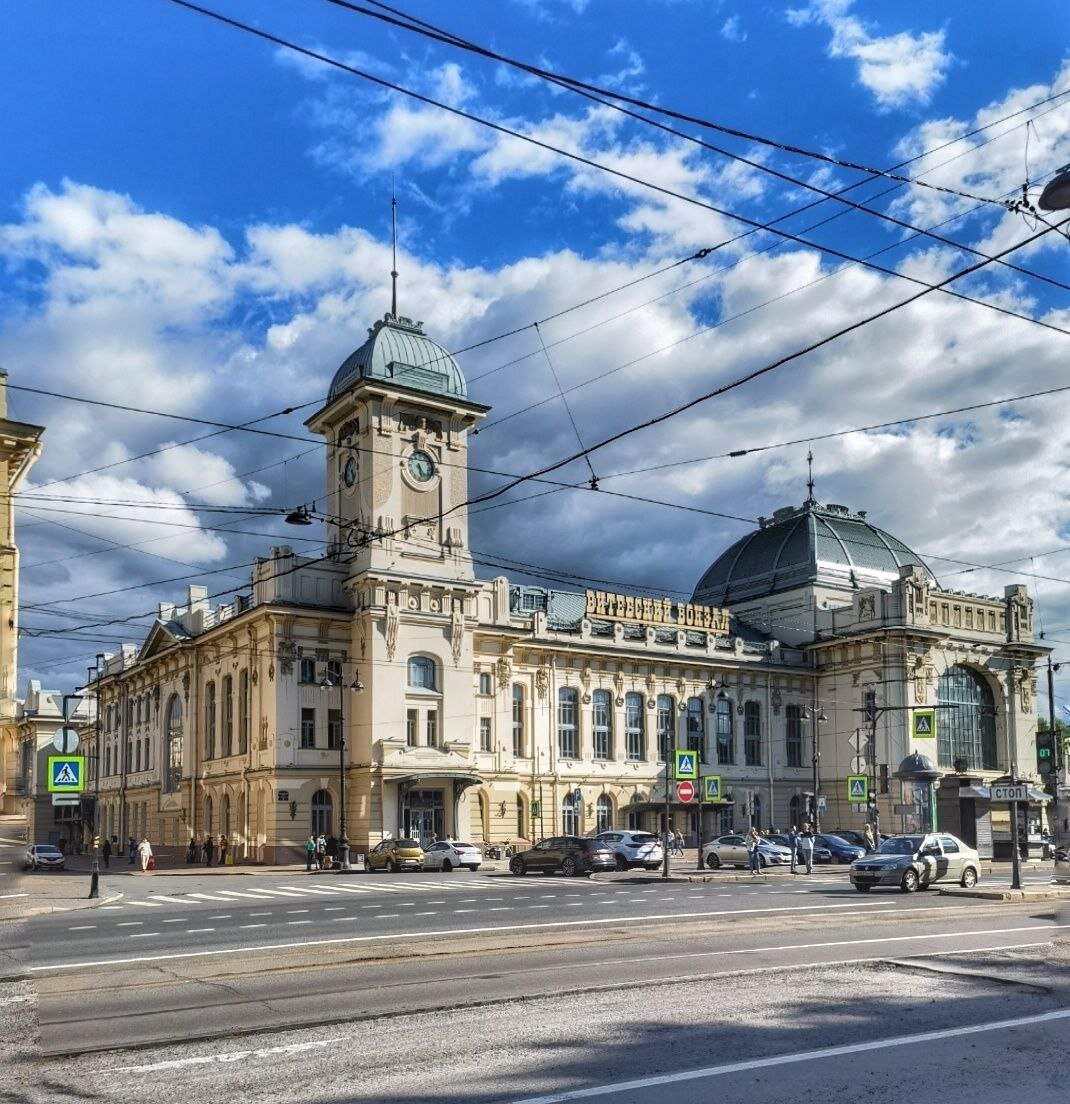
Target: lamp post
[356,687]
[1056,194]
[816,715]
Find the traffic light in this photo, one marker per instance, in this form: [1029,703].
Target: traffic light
[1045,753]
[869,706]
[884,778]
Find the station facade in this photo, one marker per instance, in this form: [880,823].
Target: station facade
[474,708]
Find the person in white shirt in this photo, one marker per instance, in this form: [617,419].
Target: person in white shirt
[144,852]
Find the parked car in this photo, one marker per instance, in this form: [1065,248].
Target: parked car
[571,855]
[849,835]
[1062,865]
[732,851]
[446,854]
[634,849]
[396,854]
[821,853]
[842,851]
[43,856]
[913,862]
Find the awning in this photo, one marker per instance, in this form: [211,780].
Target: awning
[1039,796]
[982,792]
[437,776]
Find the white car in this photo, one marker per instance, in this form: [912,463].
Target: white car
[446,854]
[634,849]
[43,856]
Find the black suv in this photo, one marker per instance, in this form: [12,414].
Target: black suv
[571,855]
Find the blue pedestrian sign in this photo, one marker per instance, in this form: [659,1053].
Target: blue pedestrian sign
[711,787]
[66,773]
[686,765]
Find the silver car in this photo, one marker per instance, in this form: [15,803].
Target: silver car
[1062,865]
[43,856]
[447,854]
[913,862]
[731,850]
[634,849]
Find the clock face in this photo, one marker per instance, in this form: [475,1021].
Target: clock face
[349,472]
[421,466]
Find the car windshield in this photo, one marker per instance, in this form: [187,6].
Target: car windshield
[644,837]
[47,849]
[900,845]
[455,844]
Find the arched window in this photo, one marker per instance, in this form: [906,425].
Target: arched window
[521,819]
[726,752]
[570,817]
[793,735]
[172,766]
[969,730]
[602,724]
[228,716]
[604,814]
[567,706]
[796,810]
[696,727]
[518,720]
[752,734]
[224,816]
[209,819]
[321,813]
[209,721]
[422,673]
[756,810]
[243,712]
[634,727]
[239,824]
[666,721]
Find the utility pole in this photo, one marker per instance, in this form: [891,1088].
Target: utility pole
[665,826]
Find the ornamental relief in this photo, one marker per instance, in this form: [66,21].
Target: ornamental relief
[542,682]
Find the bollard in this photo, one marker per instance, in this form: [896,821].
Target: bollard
[94,881]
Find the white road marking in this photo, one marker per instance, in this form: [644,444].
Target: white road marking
[206,897]
[291,923]
[798,1056]
[8,896]
[162,899]
[145,904]
[142,935]
[221,916]
[82,927]
[230,1056]
[176,920]
[335,908]
[861,907]
[129,924]
[295,912]
[254,925]
[464,910]
[243,893]
[259,913]
[430,913]
[193,931]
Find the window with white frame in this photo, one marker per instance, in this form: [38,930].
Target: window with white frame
[602,724]
[243,712]
[696,727]
[567,704]
[209,721]
[570,817]
[307,669]
[334,728]
[422,673]
[308,728]
[518,720]
[485,685]
[604,813]
[431,727]
[726,752]
[666,722]
[793,735]
[485,736]
[752,734]
[228,715]
[172,777]
[412,722]
[634,727]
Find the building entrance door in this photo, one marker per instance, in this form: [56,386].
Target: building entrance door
[423,815]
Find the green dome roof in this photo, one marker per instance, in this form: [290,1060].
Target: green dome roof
[398,351]
[801,546]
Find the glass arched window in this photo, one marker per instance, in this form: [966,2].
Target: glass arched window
[209,721]
[666,721]
[570,817]
[969,730]
[321,813]
[726,752]
[243,712]
[209,811]
[518,720]
[696,727]
[567,705]
[793,735]
[172,767]
[634,727]
[228,716]
[602,724]
[521,819]
[604,814]
[224,816]
[422,673]
[752,734]
[795,810]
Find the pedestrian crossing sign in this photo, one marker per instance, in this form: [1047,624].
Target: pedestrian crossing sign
[711,787]
[924,724]
[66,773]
[858,788]
[686,765]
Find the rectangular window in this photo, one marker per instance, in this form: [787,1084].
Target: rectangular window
[209,721]
[752,734]
[412,719]
[518,720]
[228,715]
[696,727]
[107,760]
[485,683]
[484,734]
[634,727]
[307,669]
[432,728]
[334,672]
[602,725]
[726,751]
[308,728]
[566,722]
[793,735]
[137,756]
[666,725]
[243,712]
[334,728]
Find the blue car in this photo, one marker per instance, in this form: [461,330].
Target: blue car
[842,851]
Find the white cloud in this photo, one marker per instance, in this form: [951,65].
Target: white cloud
[899,69]
[732,31]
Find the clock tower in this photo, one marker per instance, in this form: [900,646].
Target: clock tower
[396,427]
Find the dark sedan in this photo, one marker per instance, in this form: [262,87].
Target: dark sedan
[842,851]
[572,855]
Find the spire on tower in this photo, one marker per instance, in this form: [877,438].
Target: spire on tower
[810,500]
[394,250]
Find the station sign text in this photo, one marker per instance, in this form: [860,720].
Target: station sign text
[655,611]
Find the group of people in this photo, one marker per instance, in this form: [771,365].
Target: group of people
[801,843]
[208,850]
[134,851]
[320,851]
[674,842]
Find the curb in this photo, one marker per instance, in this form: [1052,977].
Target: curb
[49,910]
[1055,893]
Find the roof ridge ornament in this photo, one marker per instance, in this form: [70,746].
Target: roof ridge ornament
[393,249]
[810,500]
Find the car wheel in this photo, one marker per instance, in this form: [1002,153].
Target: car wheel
[447,865]
[568,868]
[969,878]
[391,868]
[622,863]
[713,861]
[910,881]
[517,866]
[863,888]
[763,862]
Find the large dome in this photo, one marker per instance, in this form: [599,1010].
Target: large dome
[399,351]
[802,546]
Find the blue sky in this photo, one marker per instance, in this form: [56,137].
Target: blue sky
[196,221]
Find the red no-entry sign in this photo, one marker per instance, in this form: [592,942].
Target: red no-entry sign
[685,791]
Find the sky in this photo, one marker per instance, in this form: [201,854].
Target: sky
[195,222]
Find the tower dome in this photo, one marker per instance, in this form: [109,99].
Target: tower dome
[803,546]
[398,351]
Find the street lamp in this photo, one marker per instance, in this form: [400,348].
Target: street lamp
[817,716]
[301,516]
[1056,194]
[356,687]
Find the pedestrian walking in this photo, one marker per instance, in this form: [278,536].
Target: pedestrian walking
[793,844]
[105,852]
[191,851]
[869,834]
[754,855]
[209,850]
[131,850]
[310,852]
[321,850]
[670,842]
[678,842]
[144,853]
[222,850]
[806,845]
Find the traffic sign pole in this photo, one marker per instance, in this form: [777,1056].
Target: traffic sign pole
[665,826]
